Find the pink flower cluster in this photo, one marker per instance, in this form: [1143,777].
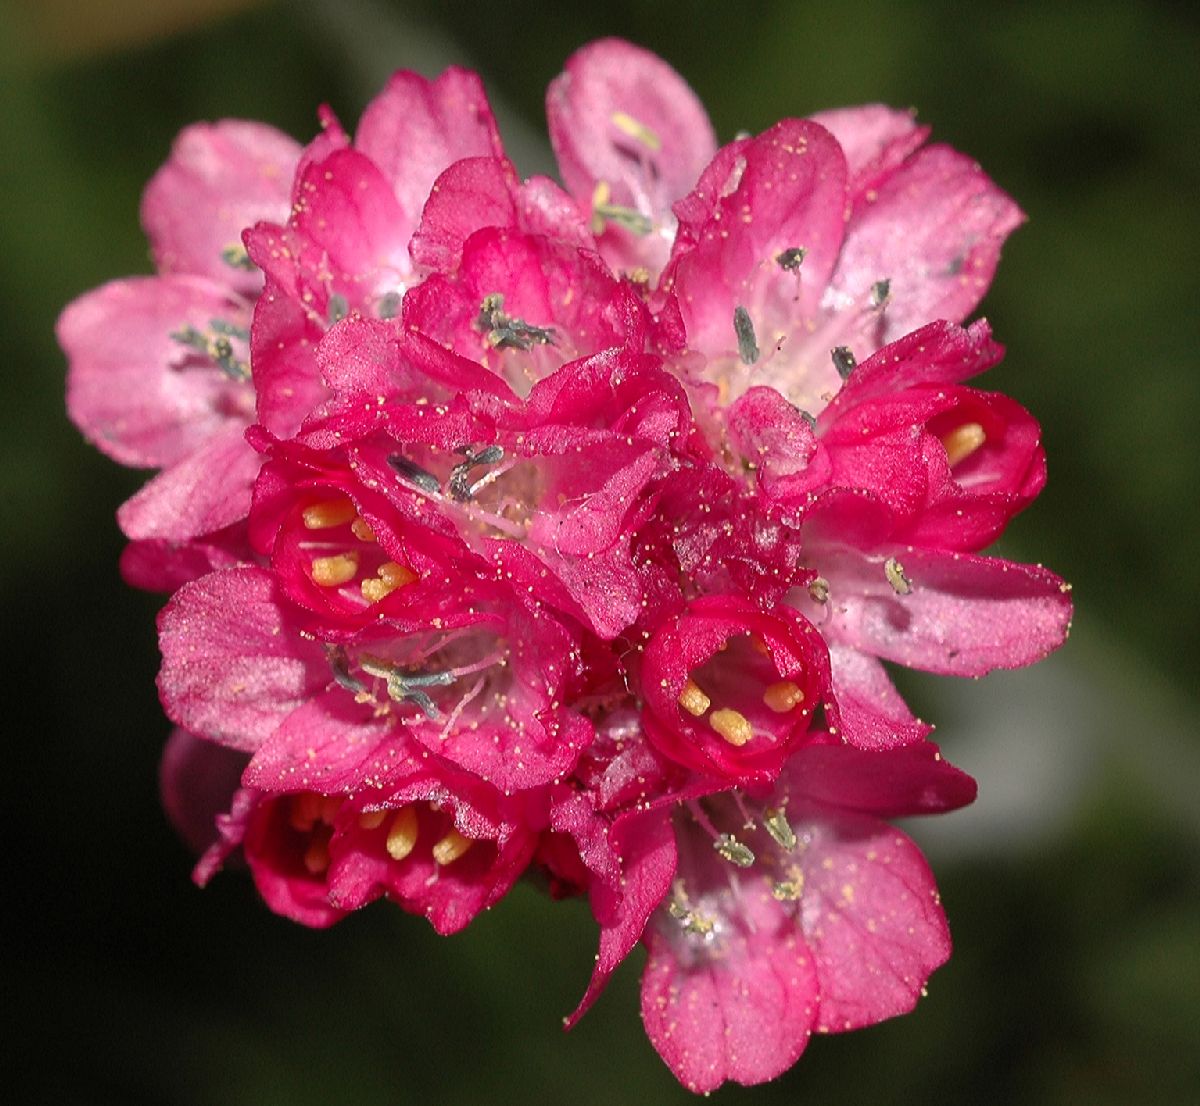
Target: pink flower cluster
[516,528]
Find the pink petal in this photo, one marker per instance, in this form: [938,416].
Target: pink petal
[874,716]
[874,138]
[415,128]
[234,665]
[205,492]
[135,391]
[221,178]
[871,916]
[196,781]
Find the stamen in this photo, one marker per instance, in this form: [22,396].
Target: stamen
[331,513]
[332,572]
[451,847]
[603,211]
[340,663]
[791,259]
[843,360]
[731,725]
[636,130]
[389,305]
[460,487]
[894,571]
[963,441]
[402,833]
[339,308]
[414,474]
[881,292]
[783,696]
[818,590]
[316,856]
[693,700]
[236,257]
[372,819]
[733,850]
[361,530]
[788,890]
[391,576]
[743,327]
[778,827]
[305,811]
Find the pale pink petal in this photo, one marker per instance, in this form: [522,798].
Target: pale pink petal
[138,393]
[196,781]
[874,138]
[220,179]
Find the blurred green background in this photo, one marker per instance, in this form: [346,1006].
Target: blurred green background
[1073,886]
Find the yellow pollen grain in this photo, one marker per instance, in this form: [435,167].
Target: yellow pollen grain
[361,530]
[316,856]
[963,441]
[332,572]
[732,725]
[451,847]
[372,819]
[325,516]
[402,833]
[636,130]
[693,700]
[783,696]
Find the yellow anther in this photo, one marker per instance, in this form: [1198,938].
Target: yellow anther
[783,696]
[601,194]
[693,700]
[361,530]
[305,810]
[732,725]
[451,847]
[331,513]
[391,576]
[963,441]
[316,856]
[636,130]
[402,833]
[372,819]
[330,805]
[758,645]
[332,572]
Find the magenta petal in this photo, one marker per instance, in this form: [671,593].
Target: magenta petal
[206,491]
[933,230]
[964,615]
[745,1014]
[220,179]
[415,128]
[234,664]
[132,388]
[871,916]
[874,716]
[197,780]
[622,115]
[473,193]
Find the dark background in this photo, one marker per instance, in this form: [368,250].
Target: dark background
[1073,887]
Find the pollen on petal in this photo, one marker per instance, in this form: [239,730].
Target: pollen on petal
[402,833]
[961,442]
[732,725]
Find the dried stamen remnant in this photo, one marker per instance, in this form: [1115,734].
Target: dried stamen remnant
[843,360]
[963,441]
[743,327]
[236,257]
[459,484]
[881,292]
[693,699]
[732,725]
[339,308]
[783,696]
[451,847]
[414,474]
[604,212]
[779,828]
[733,850]
[402,833]
[787,890]
[894,571]
[216,346]
[636,129]
[818,590]
[791,259]
[332,572]
[331,513]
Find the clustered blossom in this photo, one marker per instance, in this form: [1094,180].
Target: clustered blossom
[516,528]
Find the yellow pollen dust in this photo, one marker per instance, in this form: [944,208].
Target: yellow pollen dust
[963,441]
[636,130]
[693,700]
[332,572]
[390,577]
[402,833]
[732,725]
[451,847]
[361,530]
[783,696]
[325,516]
